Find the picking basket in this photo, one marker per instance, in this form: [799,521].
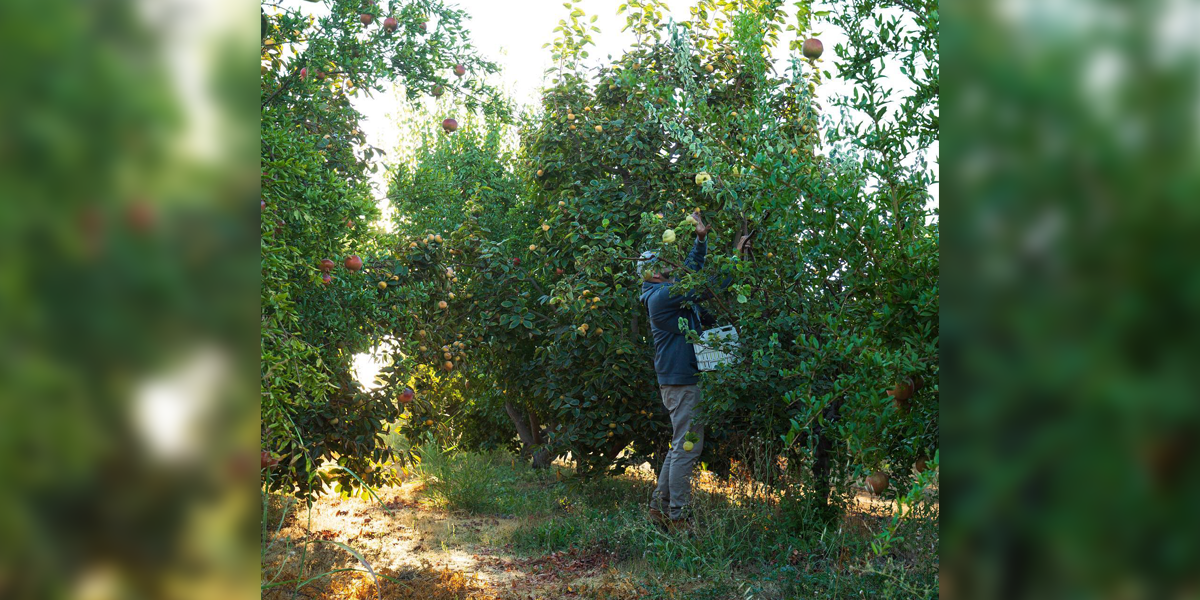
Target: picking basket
[708,356]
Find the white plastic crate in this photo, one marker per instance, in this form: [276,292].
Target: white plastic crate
[707,355]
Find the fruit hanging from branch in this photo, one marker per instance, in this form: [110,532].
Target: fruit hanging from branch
[406,396]
[449,125]
[437,91]
[390,24]
[366,18]
[353,263]
[902,391]
[460,69]
[702,177]
[921,465]
[668,236]
[877,482]
[812,48]
[327,265]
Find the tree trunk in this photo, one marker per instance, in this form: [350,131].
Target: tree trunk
[535,428]
[615,448]
[822,457]
[542,458]
[530,448]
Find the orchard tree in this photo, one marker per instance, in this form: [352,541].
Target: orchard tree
[836,306]
[332,286]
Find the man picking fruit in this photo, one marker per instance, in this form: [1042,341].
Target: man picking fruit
[678,372]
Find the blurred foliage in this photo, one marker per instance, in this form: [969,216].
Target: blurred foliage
[1071,322]
[126,254]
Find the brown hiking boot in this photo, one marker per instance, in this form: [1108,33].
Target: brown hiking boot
[657,516]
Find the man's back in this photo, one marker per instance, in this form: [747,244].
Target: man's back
[674,357]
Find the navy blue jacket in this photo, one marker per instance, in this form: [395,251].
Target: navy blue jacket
[674,358]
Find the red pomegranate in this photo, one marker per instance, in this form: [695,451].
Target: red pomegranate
[812,48]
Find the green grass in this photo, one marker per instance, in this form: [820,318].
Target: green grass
[740,547]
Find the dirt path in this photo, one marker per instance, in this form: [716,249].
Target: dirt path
[431,554]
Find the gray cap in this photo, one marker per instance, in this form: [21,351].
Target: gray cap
[648,263]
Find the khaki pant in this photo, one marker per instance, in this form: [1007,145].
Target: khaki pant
[675,479]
